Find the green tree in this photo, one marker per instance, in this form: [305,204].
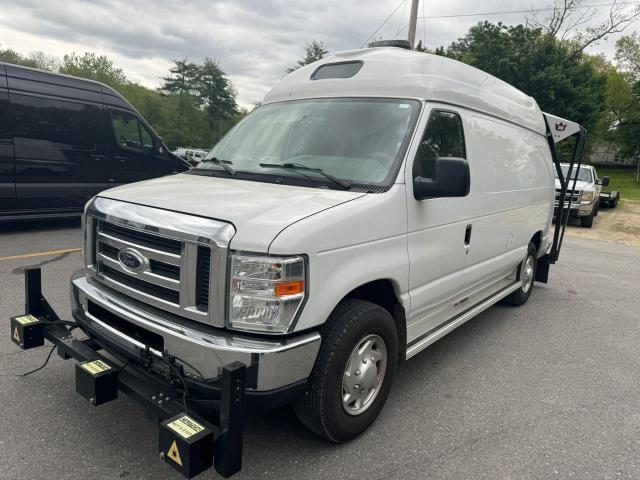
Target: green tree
[624,92]
[182,85]
[183,78]
[628,54]
[34,60]
[313,52]
[94,67]
[217,97]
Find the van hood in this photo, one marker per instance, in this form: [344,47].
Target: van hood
[258,211]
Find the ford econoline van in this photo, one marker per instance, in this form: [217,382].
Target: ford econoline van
[374,202]
[64,139]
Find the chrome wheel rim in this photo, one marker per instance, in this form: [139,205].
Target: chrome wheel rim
[527,274]
[364,374]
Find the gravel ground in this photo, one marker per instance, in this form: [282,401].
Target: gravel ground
[616,225]
[547,390]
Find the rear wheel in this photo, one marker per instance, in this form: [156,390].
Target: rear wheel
[526,274]
[353,374]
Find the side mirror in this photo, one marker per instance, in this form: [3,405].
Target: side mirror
[452,180]
[604,181]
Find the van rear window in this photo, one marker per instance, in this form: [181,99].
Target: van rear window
[337,70]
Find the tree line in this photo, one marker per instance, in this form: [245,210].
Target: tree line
[194,106]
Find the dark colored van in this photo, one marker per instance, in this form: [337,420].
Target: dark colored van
[64,139]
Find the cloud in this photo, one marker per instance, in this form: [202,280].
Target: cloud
[253,40]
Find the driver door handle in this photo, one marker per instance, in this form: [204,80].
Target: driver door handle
[120,159]
[467,235]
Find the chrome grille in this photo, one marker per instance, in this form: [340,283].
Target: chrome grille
[182,273]
[574,197]
[112,238]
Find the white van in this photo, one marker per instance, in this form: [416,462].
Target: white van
[377,200]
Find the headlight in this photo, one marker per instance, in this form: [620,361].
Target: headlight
[587,196]
[266,292]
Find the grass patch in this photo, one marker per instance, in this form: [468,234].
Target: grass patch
[621,180]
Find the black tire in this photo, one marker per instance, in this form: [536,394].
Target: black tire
[521,295]
[596,208]
[321,409]
[587,222]
[613,203]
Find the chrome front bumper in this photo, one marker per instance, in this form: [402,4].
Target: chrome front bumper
[279,361]
[577,209]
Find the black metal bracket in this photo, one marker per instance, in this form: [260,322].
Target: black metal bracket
[228,446]
[147,389]
[564,213]
[34,302]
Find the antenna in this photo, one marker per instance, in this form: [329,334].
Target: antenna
[413,18]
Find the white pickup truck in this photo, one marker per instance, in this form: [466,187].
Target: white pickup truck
[377,200]
[583,198]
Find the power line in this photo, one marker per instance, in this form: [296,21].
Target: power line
[534,10]
[404,7]
[383,23]
[477,14]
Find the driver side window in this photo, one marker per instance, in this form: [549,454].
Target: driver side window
[130,133]
[443,137]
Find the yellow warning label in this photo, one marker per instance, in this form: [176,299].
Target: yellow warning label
[96,367]
[16,335]
[174,454]
[185,426]
[26,319]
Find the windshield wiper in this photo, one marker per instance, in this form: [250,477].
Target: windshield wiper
[223,163]
[299,166]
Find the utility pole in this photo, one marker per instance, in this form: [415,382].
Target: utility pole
[413,18]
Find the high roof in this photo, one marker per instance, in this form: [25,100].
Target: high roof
[39,81]
[395,72]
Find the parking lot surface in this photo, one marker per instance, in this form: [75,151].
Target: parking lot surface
[547,390]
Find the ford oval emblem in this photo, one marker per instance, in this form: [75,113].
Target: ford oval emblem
[132,260]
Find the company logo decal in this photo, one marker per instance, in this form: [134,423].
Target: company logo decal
[560,126]
[132,260]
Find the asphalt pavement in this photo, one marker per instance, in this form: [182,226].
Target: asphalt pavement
[547,390]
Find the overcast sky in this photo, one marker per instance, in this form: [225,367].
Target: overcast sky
[253,40]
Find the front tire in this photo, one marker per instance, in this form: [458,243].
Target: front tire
[353,373]
[526,276]
[587,222]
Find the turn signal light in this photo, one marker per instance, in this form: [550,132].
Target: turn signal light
[289,288]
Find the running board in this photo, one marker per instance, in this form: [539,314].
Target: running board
[451,324]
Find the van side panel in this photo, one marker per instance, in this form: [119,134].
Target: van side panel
[57,123]
[7,160]
[512,176]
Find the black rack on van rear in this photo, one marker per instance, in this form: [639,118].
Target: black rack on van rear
[559,129]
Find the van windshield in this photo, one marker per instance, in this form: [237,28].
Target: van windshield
[357,141]
[584,175]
